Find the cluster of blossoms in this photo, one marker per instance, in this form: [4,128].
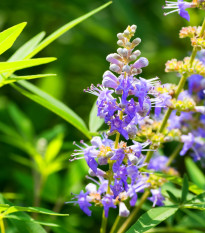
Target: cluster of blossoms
[124,102]
[180,6]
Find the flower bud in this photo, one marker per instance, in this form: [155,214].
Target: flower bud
[123,211]
[136,41]
[141,62]
[120,43]
[91,188]
[126,69]
[120,36]
[115,68]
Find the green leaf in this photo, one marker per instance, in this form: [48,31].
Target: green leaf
[197,202]
[18,65]
[185,189]
[52,104]
[95,122]
[178,180]
[172,197]
[195,173]
[152,218]
[13,209]
[25,219]
[54,148]
[8,36]
[22,122]
[64,29]
[14,78]
[27,48]
[23,226]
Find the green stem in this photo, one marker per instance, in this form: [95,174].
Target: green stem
[114,227]
[132,216]
[104,223]
[2,225]
[174,155]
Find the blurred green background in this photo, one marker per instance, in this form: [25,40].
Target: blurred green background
[81,54]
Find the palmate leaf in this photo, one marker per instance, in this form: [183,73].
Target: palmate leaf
[152,218]
[8,36]
[54,105]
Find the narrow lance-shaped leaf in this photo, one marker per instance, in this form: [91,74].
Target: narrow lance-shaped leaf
[52,104]
[152,218]
[195,173]
[8,36]
[14,78]
[13,209]
[178,180]
[197,202]
[18,65]
[54,148]
[27,48]
[185,188]
[64,29]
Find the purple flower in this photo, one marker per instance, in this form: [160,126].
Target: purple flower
[89,152]
[108,203]
[117,124]
[180,6]
[118,156]
[141,90]
[156,197]
[158,163]
[83,202]
[194,83]
[188,141]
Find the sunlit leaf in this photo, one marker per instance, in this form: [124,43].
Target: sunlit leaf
[14,78]
[52,104]
[13,209]
[64,29]
[53,148]
[152,218]
[17,65]
[195,173]
[8,36]
[27,48]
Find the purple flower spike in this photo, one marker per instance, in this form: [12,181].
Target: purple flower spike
[107,202]
[180,6]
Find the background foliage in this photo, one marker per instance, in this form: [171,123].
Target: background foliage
[81,60]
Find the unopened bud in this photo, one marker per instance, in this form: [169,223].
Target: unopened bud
[115,68]
[120,43]
[136,41]
[126,69]
[126,33]
[120,36]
